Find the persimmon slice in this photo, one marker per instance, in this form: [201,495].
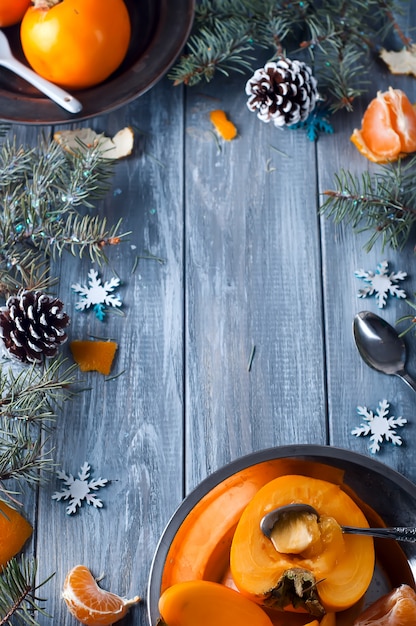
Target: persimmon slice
[331,575]
[204,603]
[94,355]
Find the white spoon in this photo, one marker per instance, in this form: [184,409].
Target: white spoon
[53,92]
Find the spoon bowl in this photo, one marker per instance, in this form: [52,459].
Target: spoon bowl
[269,521]
[380,346]
[55,93]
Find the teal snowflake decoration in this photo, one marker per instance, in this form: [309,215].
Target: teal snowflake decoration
[381,283]
[379,425]
[317,122]
[97,295]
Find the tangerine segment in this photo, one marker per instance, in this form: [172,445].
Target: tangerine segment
[377,129]
[90,604]
[397,608]
[14,532]
[94,355]
[403,118]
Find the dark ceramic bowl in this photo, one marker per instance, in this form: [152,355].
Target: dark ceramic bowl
[384,495]
[160,28]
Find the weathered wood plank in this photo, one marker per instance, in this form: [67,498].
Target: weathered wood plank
[130,428]
[253,278]
[350,382]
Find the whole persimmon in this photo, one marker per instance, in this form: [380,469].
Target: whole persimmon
[12,11]
[75,43]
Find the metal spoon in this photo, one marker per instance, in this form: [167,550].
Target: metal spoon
[380,346]
[53,92]
[400,534]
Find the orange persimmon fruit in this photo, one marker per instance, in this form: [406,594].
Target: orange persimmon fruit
[12,11]
[201,546]
[90,604]
[388,128]
[397,608]
[94,355]
[15,530]
[335,568]
[75,43]
[224,127]
[205,603]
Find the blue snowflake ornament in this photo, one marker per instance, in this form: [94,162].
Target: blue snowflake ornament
[97,295]
[316,122]
[381,284]
[379,426]
[79,489]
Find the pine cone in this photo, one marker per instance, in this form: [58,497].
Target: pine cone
[32,325]
[284,92]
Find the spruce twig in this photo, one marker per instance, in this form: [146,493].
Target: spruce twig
[29,403]
[339,35]
[19,602]
[45,197]
[383,203]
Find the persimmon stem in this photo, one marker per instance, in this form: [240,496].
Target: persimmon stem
[45,4]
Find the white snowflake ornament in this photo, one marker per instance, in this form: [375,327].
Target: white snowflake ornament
[97,295]
[79,489]
[381,284]
[379,425]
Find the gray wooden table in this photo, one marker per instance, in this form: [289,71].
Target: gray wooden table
[246,262]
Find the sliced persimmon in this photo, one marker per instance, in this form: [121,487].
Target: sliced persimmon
[397,608]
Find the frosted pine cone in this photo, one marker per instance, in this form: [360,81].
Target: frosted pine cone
[284,92]
[32,325]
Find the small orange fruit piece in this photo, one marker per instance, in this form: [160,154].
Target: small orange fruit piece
[388,127]
[90,604]
[94,355]
[14,532]
[222,125]
[397,608]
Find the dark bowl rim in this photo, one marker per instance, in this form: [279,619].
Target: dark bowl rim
[322,452]
[168,48]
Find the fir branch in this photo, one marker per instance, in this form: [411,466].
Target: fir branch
[384,204]
[29,403]
[410,319]
[42,191]
[18,593]
[339,35]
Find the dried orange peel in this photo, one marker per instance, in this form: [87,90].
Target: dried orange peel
[388,128]
[15,530]
[94,355]
[90,604]
[224,127]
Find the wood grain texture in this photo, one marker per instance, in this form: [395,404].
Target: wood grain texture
[245,264]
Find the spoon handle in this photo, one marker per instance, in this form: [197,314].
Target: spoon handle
[399,533]
[55,93]
[407,379]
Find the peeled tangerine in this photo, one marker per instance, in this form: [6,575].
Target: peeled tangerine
[397,608]
[312,564]
[388,128]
